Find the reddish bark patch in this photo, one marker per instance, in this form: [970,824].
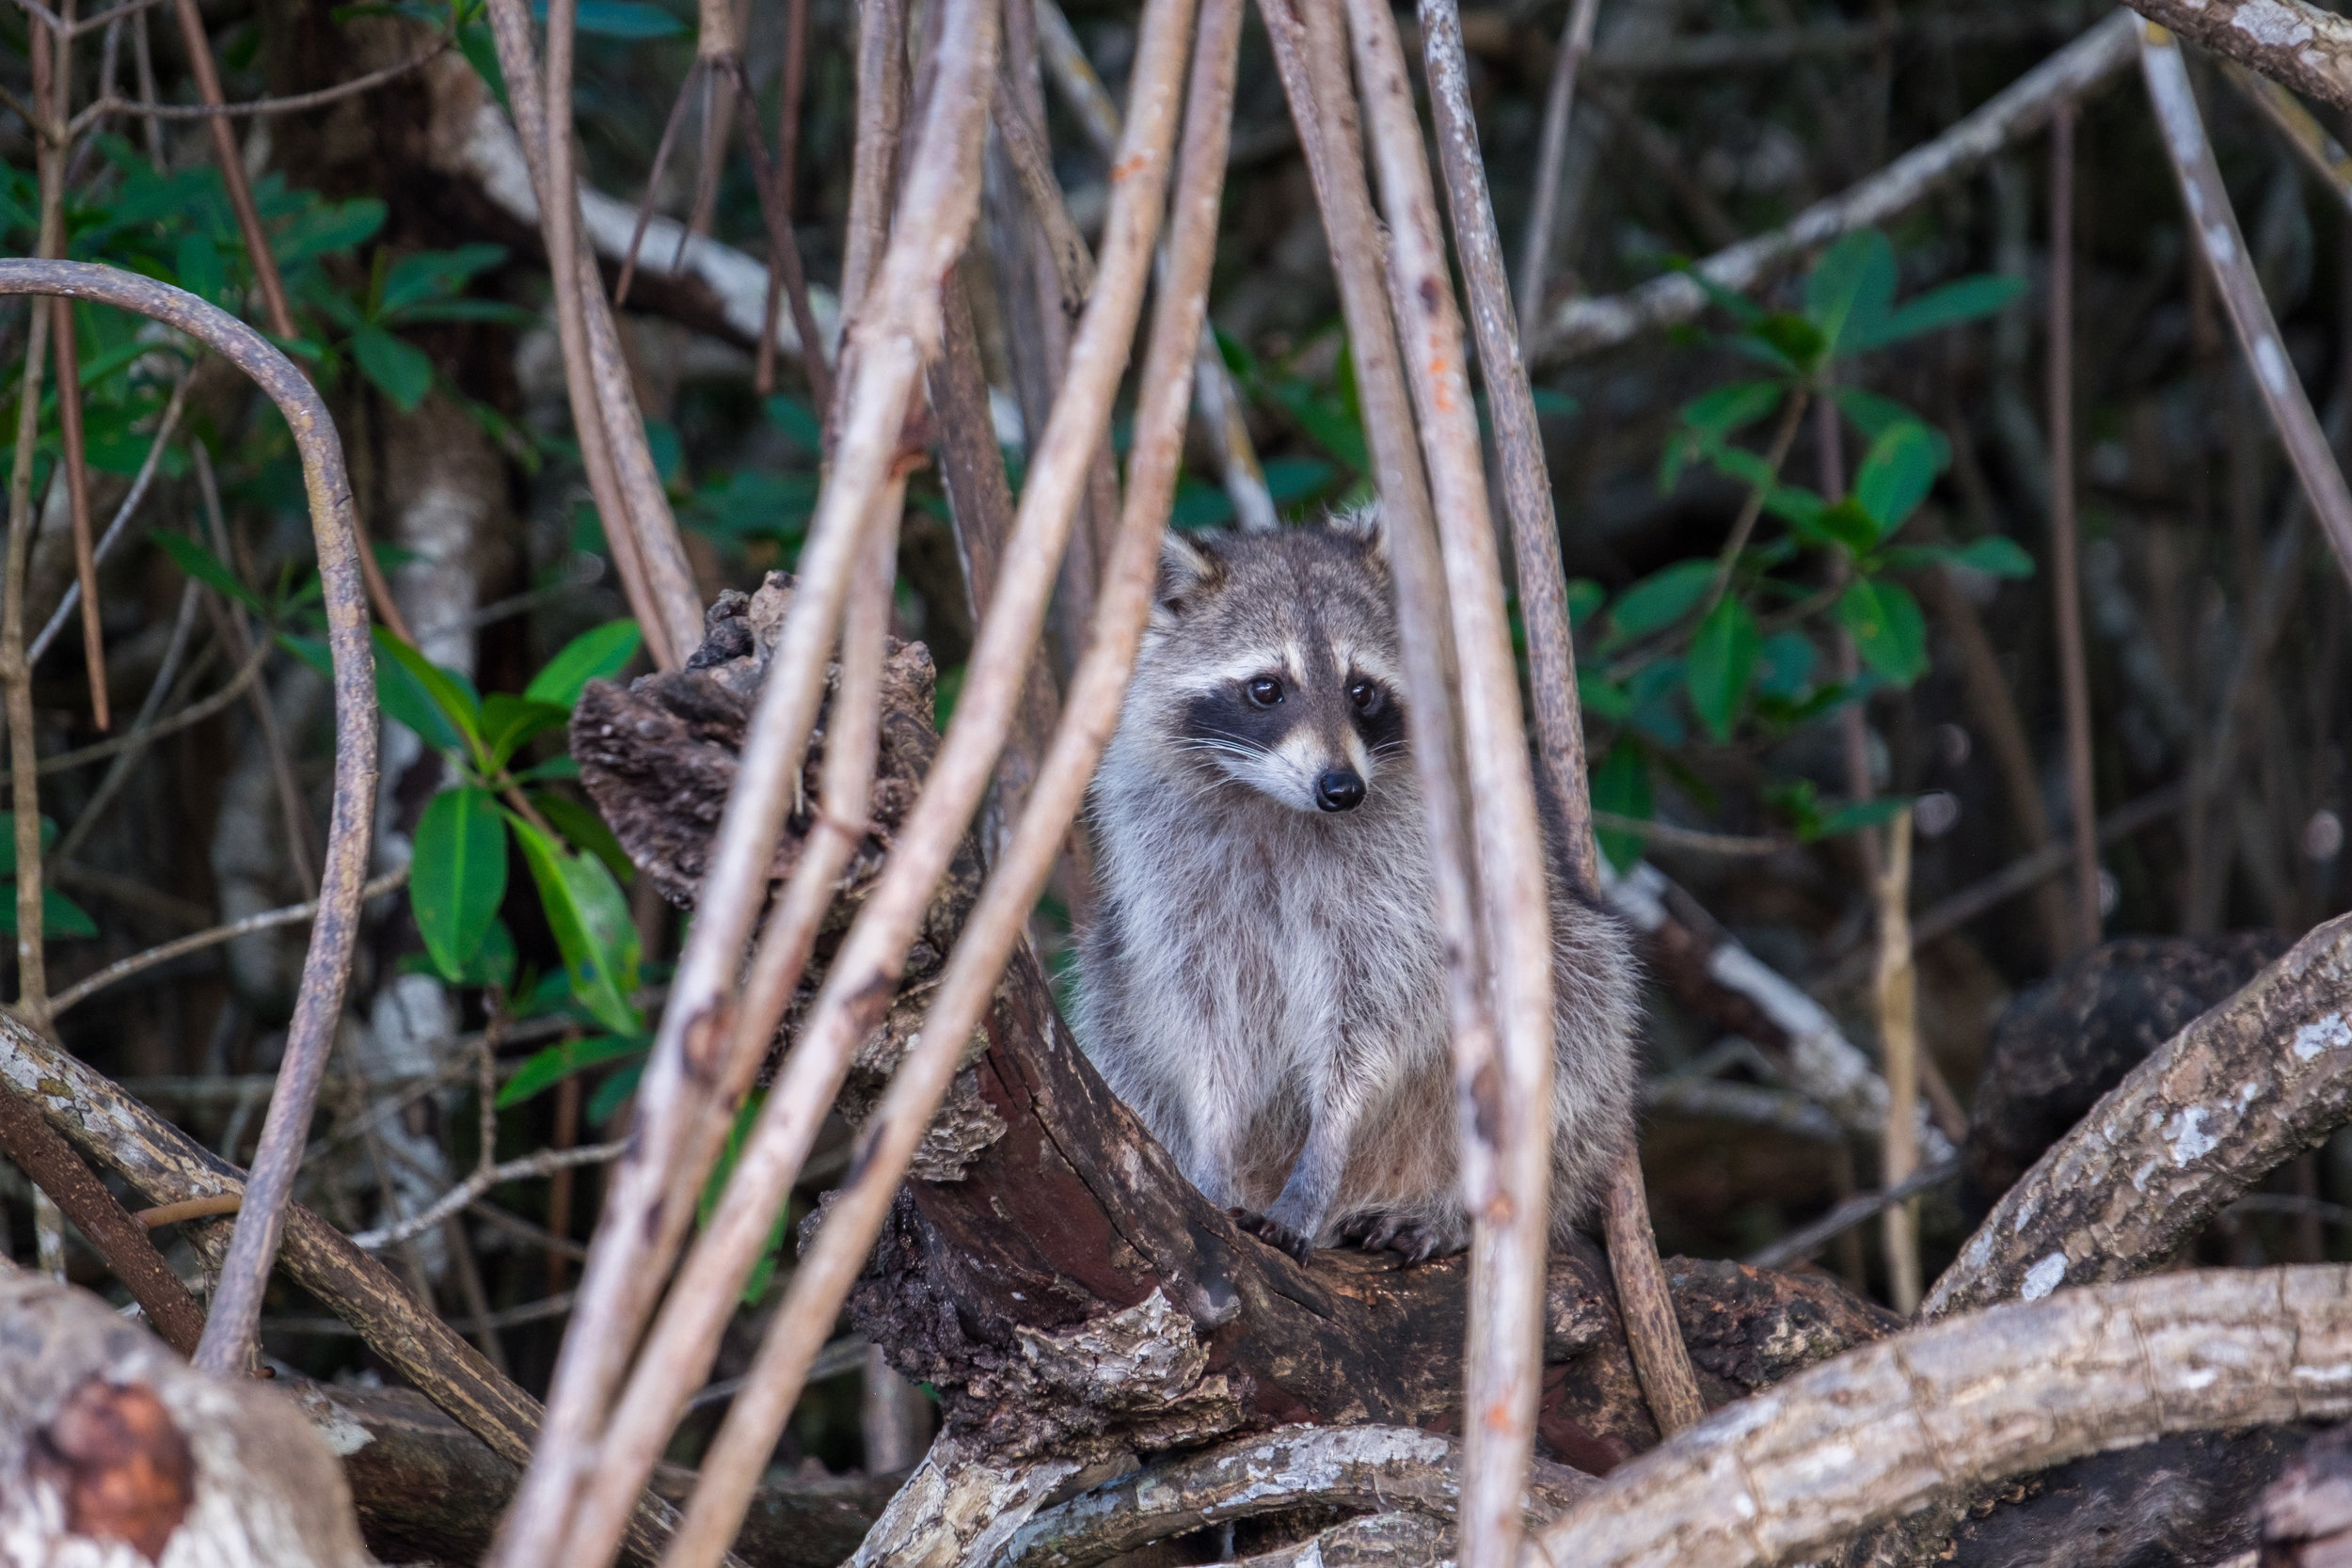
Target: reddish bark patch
[123,1467]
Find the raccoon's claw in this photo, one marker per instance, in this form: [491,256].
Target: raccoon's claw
[1274,1233]
[1408,1239]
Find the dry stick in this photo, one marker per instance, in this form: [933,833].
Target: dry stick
[1897,990]
[2224,249]
[865,973]
[1032,161]
[882,109]
[121,520]
[1806,1241]
[318,1004]
[717,41]
[545,1163]
[167,675]
[230,619]
[2305,136]
[1583,327]
[50,1164]
[510,25]
[24,791]
[649,1198]
[783,247]
[1505,1104]
[2065,557]
[295,104]
[793,77]
[1313,72]
[238,684]
[1660,1359]
[827,1270]
[1879,1431]
[1215,399]
[1576,41]
[653,186]
[78,497]
[180,947]
[232,176]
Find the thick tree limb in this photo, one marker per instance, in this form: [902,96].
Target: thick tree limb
[2228,1099]
[2307,47]
[1583,327]
[1879,1431]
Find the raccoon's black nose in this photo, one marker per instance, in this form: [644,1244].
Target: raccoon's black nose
[1339,790]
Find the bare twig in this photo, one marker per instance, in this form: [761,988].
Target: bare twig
[793,77]
[1215,399]
[1506,1118]
[648,1199]
[1583,327]
[1576,41]
[546,1163]
[294,104]
[36,1148]
[996,924]
[194,714]
[1799,1467]
[232,176]
[1803,1242]
[784,248]
[1692,839]
[2065,569]
[2225,252]
[124,513]
[122,968]
[318,1007]
[1898,997]
[77,498]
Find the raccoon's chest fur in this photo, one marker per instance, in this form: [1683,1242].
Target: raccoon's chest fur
[1240,951]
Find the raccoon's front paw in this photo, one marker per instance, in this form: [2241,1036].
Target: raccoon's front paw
[1274,1233]
[1415,1241]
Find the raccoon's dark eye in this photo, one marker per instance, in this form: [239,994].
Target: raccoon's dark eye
[1264,692]
[1364,695]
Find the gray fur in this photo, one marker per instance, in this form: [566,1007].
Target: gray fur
[1263,981]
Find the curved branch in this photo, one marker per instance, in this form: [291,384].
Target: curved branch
[318,1007]
[2225,1101]
[110,104]
[1881,1429]
[1372,1467]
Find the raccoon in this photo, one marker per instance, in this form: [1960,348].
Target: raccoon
[1263,979]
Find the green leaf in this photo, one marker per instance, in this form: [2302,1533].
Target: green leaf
[544,1070]
[613,1094]
[1888,628]
[1721,663]
[585,830]
[449,691]
[1789,339]
[589,915]
[1851,288]
[7,842]
[1784,665]
[1728,408]
[196,562]
[433,275]
[1997,556]
[799,422]
[199,266]
[1621,787]
[458,876]
[1896,476]
[1602,698]
[61,918]
[1966,299]
[1874,416]
[1660,599]
[508,722]
[1846,524]
[1585,597]
[597,654]
[1861,814]
[312,651]
[401,371]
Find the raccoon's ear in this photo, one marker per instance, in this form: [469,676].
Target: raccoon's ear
[1187,567]
[1364,527]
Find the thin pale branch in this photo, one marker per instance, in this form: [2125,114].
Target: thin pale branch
[121,520]
[1576,41]
[1897,993]
[194,714]
[996,924]
[2065,552]
[294,104]
[232,176]
[2305,46]
[2224,249]
[63,342]
[318,1007]
[1803,1242]
[1583,327]
[546,1163]
[649,1196]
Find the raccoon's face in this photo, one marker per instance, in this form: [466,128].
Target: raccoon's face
[1271,662]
